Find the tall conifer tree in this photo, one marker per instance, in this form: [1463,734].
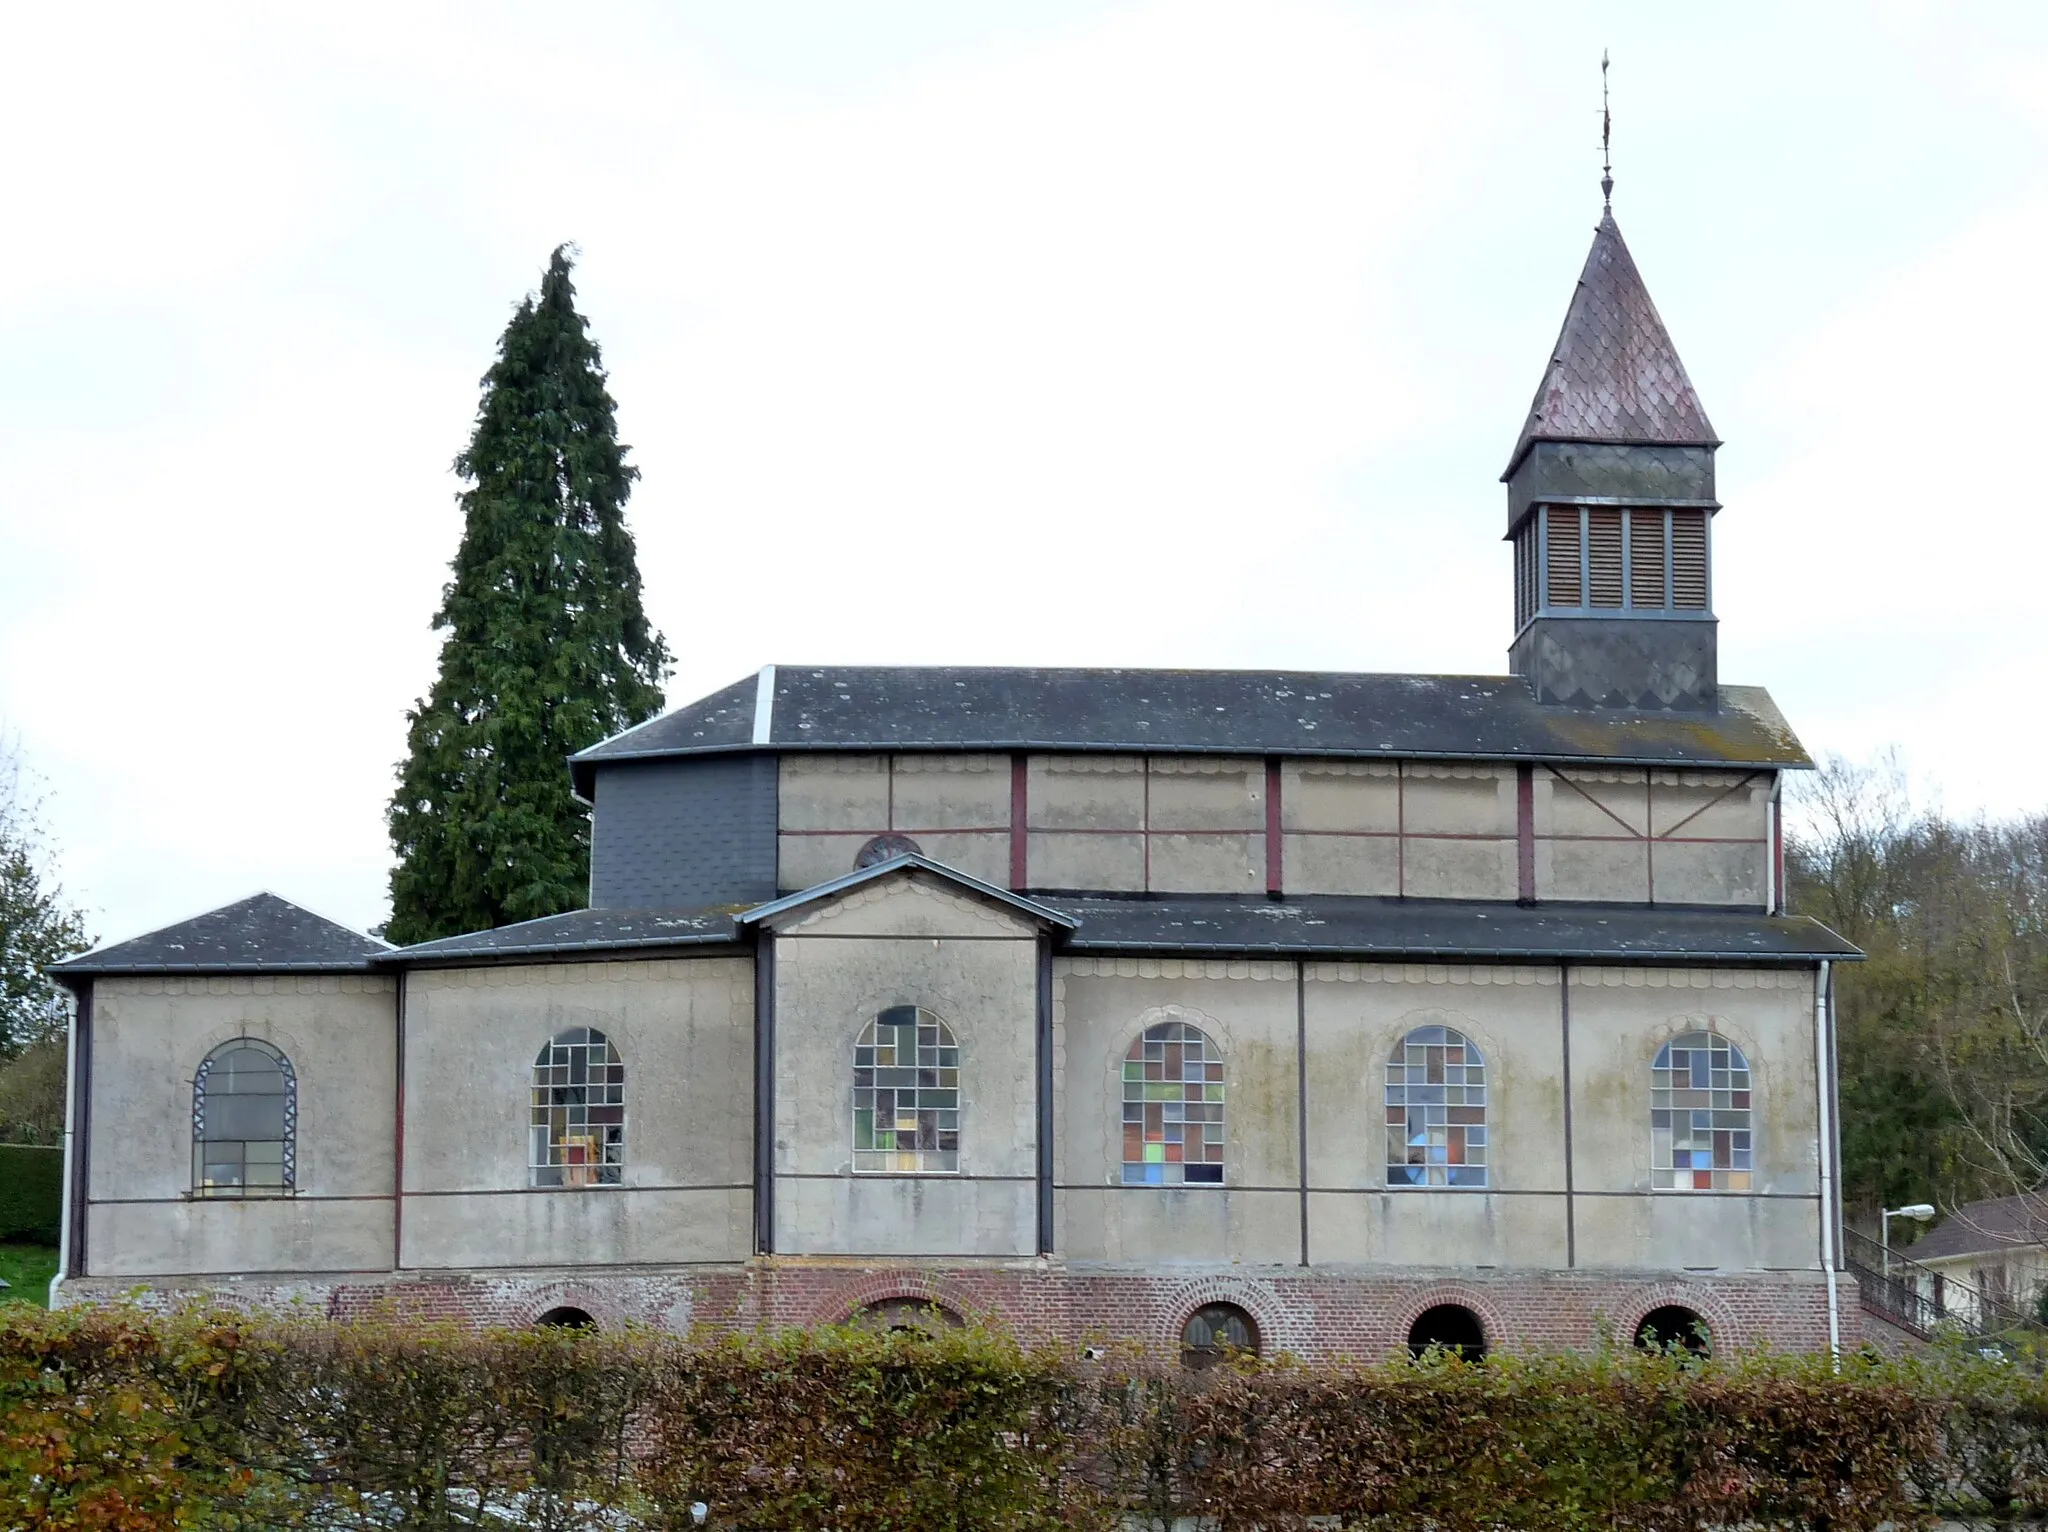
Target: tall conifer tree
[548,650]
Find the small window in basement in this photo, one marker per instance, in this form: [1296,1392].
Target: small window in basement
[245,1118]
[566,1319]
[1675,1328]
[1214,1333]
[578,1123]
[908,1316]
[1448,1327]
[1173,1108]
[906,1095]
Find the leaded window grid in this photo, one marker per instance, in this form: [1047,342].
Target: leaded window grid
[576,1127]
[203,1183]
[1173,1099]
[906,1095]
[1701,1116]
[1437,1133]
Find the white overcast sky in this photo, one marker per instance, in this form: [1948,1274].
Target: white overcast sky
[1169,334]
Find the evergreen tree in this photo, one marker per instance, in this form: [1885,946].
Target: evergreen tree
[548,650]
[38,926]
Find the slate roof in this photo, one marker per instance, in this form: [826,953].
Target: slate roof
[260,934]
[1331,926]
[581,931]
[1982,1228]
[854,708]
[1421,929]
[1031,909]
[1614,375]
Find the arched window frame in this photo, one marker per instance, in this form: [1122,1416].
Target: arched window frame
[288,1158]
[1438,1133]
[1163,1098]
[1702,1115]
[922,1133]
[576,1123]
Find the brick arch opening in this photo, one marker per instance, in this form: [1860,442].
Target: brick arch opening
[1450,1327]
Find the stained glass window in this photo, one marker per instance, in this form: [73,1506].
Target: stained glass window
[1436,1111]
[1173,1108]
[245,1119]
[578,1132]
[1700,1116]
[906,1094]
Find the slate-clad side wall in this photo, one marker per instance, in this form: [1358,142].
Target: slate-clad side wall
[682,833]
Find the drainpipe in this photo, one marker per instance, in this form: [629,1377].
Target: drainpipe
[1824,1142]
[70,1115]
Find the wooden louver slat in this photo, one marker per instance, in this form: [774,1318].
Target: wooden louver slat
[1689,560]
[1603,547]
[1563,574]
[1646,559]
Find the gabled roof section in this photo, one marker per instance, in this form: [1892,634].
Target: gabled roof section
[1233,712]
[1614,375]
[577,932]
[260,934]
[789,904]
[1984,1228]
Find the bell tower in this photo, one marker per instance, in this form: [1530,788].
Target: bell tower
[1610,507]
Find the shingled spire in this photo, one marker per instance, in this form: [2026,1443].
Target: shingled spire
[1610,495]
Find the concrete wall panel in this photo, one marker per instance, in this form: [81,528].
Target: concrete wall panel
[951,792]
[1086,792]
[595,1226]
[986,857]
[1712,804]
[1208,864]
[1711,873]
[1341,864]
[1112,863]
[1168,1225]
[975,966]
[683,1028]
[1459,869]
[1340,795]
[1594,869]
[1205,793]
[218,1235]
[1436,1229]
[150,1036]
[835,792]
[1677,1232]
[1458,800]
[1583,801]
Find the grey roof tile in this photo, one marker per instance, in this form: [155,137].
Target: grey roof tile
[260,934]
[1982,1228]
[856,708]
[909,862]
[580,931]
[1341,926]
[1614,375]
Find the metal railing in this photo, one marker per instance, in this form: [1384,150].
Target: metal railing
[1920,1300]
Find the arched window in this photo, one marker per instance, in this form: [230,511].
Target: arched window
[245,1120]
[906,1094]
[1675,1328]
[1214,1333]
[1700,1116]
[578,1133]
[1436,1111]
[1173,1108]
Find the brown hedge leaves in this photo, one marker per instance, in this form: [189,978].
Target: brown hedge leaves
[113,1420]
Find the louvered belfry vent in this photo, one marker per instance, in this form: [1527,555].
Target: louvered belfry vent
[1610,500]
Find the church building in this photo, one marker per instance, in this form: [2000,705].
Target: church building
[1315,1012]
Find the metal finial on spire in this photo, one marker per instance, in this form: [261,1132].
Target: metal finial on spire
[1606,139]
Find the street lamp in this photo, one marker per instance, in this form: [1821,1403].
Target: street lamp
[1919,1212]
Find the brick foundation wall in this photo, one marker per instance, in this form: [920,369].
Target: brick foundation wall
[1316,1314]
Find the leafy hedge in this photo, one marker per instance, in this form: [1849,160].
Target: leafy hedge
[31,1192]
[112,1420]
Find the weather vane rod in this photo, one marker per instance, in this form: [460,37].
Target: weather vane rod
[1606,139]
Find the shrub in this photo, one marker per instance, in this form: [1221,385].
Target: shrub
[31,1192]
[111,1420]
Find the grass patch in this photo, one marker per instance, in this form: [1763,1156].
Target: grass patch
[29,1268]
